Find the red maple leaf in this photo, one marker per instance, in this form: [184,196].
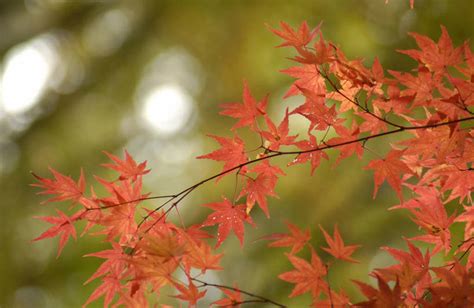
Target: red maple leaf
[459,182]
[335,299]
[346,135]
[455,287]
[412,270]
[63,225]
[382,297]
[391,169]
[315,110]
[436,56]
[228,217]
[430,214]
[294,38]
[277,137]
[337,247]
[110,286]
[233,299]
[63,186]
[128,168]
[314,156]
[199,255]
[308,77]
[248,111]
[116,261]
[232,152]
[296,239]
[414,257]
[262,186]
[306,276]
[190,294]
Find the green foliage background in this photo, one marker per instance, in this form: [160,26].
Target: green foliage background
[216,45]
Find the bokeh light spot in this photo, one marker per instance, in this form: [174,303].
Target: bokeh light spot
[167,109]
[27,71]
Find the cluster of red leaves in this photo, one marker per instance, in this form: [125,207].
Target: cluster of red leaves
[430,170]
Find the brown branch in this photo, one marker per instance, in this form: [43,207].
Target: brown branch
[261,298]
[355,102]
[183,193]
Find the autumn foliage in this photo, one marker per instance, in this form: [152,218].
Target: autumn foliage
[431,171]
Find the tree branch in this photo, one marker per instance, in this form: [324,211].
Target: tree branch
[261,298]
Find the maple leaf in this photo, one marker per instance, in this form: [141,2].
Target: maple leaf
[195,233]
[372,124]
[63,225]
[436,56]
[413,267]
[199,256]
[233,298]
[232,153]
[308,77]
[314,109]
[459,182]
[296,239]
[120,220]
[337,247]
[277,137]
[247,112]
[420,86]
[165,247]
[228,217]
[128,168]
[455,289]
[116,261]
[190,294]
[377,70]
[390,168]
[263,185]
[414,257]
[335,299]
[294,38]
[430,214]
[439,143]
[383,297]
[63,186]
[306,276]
[109,287]
[346,135]
[314,156]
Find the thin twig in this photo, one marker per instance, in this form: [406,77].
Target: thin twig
[263,299]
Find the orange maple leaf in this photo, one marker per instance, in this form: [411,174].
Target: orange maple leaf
[228,217]
[296,239]
[232,152]
[391,169]
[128,168]
[337,247]
[248,111]
[63,186]
[306,276]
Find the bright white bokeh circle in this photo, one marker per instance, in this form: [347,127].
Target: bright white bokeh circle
[26,74]
[167,109]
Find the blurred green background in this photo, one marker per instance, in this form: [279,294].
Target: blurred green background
[79,77]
